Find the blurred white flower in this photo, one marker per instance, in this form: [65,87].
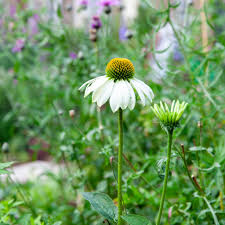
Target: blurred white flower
[118,86]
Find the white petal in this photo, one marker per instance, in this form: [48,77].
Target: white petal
[132,96]
[139,91]
[98,82]
[104,92]
[114,99]
[88,82]
[146,89]
[124,95]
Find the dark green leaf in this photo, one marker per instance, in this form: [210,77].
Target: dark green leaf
[103,204]
[136,220]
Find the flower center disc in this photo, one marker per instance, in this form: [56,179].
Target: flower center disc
[120,69]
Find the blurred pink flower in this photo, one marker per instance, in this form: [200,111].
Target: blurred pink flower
[96,22]
[33,24]
[18,46]
[12,11]
[105,5]
[170,212]
[109,2]
[84,2]
[73,55]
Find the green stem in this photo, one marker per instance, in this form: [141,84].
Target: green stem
[212,211]
[170,138]
[120,154]
[200,191]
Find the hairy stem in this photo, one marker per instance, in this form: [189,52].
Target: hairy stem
[211,210]
[170,138]
[120,154]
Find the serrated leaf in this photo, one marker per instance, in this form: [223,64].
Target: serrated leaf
[103,204]
[136,220]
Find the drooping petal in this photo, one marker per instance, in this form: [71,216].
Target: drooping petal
[132,96]
[95,85]
[146,89]
[104,92]
[139,90]
[88,82]
[114,99]
[125,94]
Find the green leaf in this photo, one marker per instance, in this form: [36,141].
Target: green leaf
[24,219]
[5,165]
[57,223]
[103,204]
[4,172]
[59,12]
[136,220]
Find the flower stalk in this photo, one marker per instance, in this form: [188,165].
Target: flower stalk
[169,118]
[120,154]
[170,139]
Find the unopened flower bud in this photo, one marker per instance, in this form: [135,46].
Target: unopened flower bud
[129,34]
[111,159]
[107,9]
[121,8]
[93,37]
[93,31]
[80,55]
[169,118]
[60,112]
[69,8]
[5,147]
[72,113]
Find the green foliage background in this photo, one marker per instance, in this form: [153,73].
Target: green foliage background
[39,85]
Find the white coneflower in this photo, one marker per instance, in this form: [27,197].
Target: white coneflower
[118,86]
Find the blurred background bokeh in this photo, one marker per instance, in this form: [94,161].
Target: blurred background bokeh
[61,144]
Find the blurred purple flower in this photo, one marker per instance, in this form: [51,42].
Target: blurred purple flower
[12,11]
[104,3]
[122,33]
[84,2]
[1,22]
[73,55]
[24,30]
[177,55]
[15,81]
[33,26]
[36,17]
[96,23]
[18,46]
